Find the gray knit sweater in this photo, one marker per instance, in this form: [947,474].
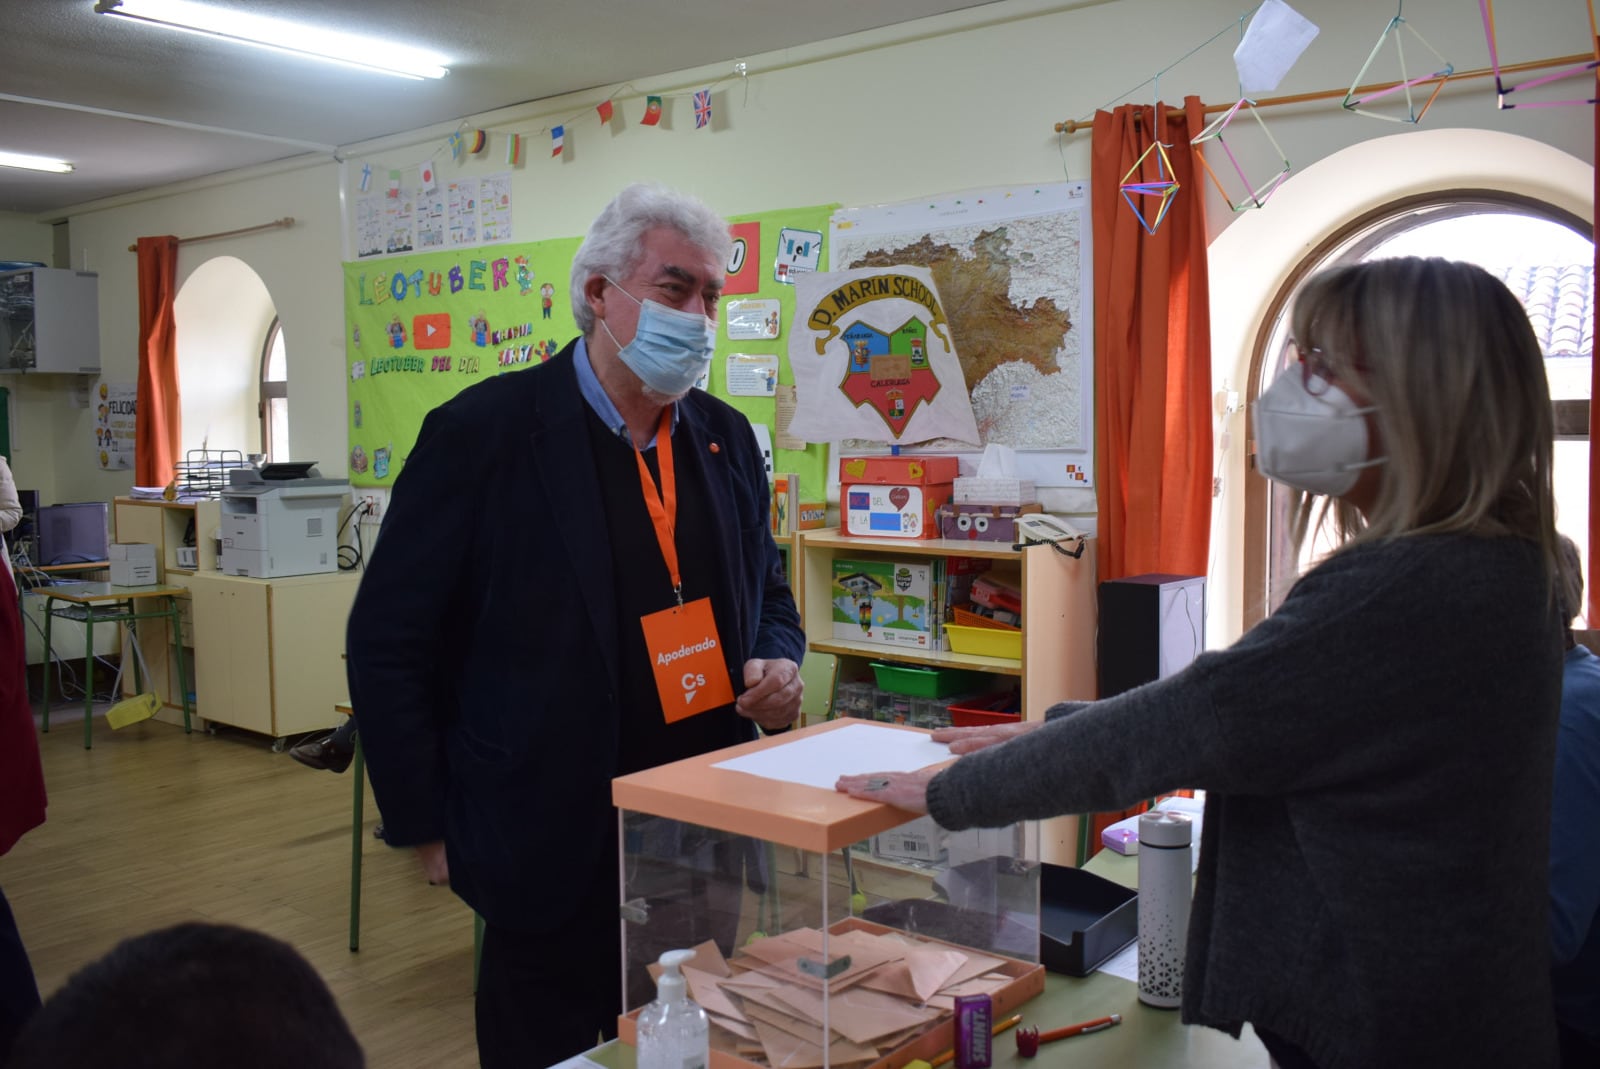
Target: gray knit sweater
[1378,755]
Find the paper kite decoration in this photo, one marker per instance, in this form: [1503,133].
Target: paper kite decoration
[1255,195]
[1165,186]
[1360,95]
[1502,90]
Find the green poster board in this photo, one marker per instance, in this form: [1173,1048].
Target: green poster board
[420,328]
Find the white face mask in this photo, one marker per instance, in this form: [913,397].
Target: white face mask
[1315,443]
[670,349]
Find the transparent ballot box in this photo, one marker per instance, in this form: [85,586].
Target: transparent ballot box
[828,931]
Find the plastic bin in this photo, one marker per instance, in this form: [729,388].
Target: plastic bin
[985,709]
[919,682]
[968,618]
[985,641]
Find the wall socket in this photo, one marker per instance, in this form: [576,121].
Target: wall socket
[376,500]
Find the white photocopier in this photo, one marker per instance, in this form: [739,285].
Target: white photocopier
[281,520]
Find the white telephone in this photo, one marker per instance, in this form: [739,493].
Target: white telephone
[1035,527]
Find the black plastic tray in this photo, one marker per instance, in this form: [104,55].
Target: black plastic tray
[1085,919]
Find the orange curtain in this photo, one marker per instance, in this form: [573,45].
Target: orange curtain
[1152,357]
[1152,353]
[157,424]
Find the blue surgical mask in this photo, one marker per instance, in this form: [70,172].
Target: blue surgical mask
[670,349]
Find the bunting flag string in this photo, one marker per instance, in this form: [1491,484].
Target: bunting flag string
[467,141]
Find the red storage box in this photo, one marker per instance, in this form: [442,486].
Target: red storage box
[894,496]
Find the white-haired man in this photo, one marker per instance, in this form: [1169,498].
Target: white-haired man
[551,532]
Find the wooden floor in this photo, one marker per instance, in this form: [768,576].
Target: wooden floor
[154,827]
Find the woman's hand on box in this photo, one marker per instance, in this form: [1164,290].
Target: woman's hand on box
[971,740]
[903,790]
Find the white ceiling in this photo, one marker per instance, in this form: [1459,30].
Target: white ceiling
[134,106]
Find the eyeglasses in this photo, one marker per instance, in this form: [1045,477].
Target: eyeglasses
[1315,373]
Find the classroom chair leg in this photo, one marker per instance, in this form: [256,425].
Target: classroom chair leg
[477,948]
[359,792]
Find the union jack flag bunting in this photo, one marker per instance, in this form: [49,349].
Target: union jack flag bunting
[702,108]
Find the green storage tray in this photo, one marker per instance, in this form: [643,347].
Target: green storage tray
[919,682]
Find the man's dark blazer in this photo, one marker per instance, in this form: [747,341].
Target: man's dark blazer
[482,665]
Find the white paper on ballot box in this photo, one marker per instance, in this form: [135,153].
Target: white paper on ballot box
[1274,40]
[819,760]
[848,324]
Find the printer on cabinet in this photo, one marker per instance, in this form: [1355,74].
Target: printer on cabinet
[281,520]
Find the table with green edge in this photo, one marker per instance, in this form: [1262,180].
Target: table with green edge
[92,603]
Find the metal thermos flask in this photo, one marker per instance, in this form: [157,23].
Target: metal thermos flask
[1164,891]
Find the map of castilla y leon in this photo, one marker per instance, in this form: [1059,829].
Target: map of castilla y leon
[1011,271]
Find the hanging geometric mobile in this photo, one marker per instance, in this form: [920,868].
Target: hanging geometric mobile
[1502,90]
[1165,186]
[1255,196]
[1413,114]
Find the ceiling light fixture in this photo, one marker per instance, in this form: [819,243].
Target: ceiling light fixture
[365,53]
[34,163]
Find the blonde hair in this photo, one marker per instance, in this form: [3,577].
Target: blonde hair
[1451,364]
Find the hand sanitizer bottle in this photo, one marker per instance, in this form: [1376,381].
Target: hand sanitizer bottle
[673,1031]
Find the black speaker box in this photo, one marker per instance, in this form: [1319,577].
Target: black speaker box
[1151,626]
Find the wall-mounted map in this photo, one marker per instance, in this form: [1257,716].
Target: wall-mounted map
[1012,268]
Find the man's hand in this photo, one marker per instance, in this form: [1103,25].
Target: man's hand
[772,692]
[434,865]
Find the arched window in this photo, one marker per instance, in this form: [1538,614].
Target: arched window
[1545,257]
[274,406]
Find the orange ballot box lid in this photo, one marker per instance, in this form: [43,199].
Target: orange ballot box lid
[780,788]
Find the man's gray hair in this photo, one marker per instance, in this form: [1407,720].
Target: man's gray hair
[612,246]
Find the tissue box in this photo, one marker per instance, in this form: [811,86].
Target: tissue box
[132,563]
[895,496]
[996,490]
[982,522]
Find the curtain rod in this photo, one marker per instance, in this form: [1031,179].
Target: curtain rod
[1072,126]
[276,224]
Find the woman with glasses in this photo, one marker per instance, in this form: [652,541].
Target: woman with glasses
[1377,753]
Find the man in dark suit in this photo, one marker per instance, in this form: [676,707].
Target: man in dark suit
[559,543]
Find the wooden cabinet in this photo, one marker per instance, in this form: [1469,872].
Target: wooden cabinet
[269,651]
[263,654]
[1058,627]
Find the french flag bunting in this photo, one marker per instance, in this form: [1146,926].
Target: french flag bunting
[702,109]
[557,135]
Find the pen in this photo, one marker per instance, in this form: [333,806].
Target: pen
[1028,1039]
[1010,1022]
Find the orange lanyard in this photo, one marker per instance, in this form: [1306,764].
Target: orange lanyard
[663,509]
